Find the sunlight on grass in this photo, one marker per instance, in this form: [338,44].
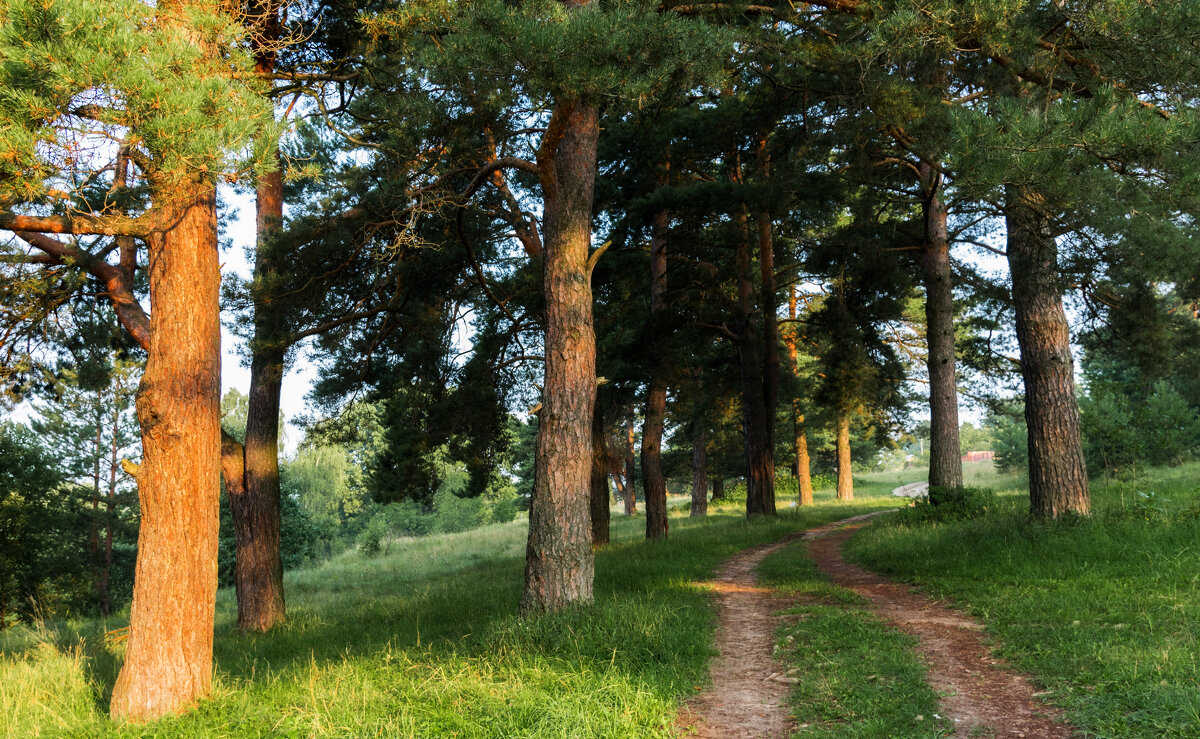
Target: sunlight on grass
[424,640]
[1103,612]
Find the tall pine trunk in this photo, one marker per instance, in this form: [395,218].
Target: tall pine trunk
[803,468]
[168,660]
[630,471]
[1057,473]
[699,507]
[770,322]
[945,456]
[845,476]
[653,484]
[600,499]
[254,501]
[760,460]
[254,504]
[559,563]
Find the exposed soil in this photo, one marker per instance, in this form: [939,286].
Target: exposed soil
[749,690]
[978,694]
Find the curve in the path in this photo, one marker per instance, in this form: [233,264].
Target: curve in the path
[748,695]
[978,695]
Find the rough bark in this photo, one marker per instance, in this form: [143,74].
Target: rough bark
[1057,473]
[699,507]
[600,498]
[654,485]
[630,471]
[254,504]
[770,318]
[845,476]
[803,466]
[804,496]
[168,659]
[559,562]
[760,459]
[945,457]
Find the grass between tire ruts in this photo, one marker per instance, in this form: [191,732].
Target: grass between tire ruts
[852,675]
[1104,613]
[426,641]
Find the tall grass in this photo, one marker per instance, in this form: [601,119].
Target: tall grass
[425,641]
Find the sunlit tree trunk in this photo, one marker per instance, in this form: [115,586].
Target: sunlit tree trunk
[803,468]
[845,476]
[168,659]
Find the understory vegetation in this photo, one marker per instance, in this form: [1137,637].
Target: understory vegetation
[424,640]
[1102,612]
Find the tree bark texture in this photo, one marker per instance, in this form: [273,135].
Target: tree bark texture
[630,472]
[254,504]
[559,563]
[699,507]
[1057,473]
[654,485]
[600,499]
[168,659]
[756,423]
[803,469]
[845,475]
[718,485]
[945,456]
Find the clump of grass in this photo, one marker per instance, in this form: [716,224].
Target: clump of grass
[855,676]
[1101,611]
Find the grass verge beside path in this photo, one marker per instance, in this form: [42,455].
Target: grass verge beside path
[856,677]
[425,641]
[1104,613]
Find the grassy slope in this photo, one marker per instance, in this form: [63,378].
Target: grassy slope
[1104,613]
[425,641]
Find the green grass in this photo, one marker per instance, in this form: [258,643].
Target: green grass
[426,641]
[857,678]
[1104,613]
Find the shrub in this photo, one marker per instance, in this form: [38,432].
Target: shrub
[370,540]
[949,504]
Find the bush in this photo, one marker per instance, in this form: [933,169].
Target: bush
[370,540]
[453,514]
[949,504]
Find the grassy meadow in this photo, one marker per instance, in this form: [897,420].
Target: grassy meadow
[425,641]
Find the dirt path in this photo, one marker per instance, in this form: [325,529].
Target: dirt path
[981,698]
[748,693]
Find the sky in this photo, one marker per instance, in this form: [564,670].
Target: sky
[235,372]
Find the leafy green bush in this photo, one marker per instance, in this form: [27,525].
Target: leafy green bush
[949,504]
[370,540]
